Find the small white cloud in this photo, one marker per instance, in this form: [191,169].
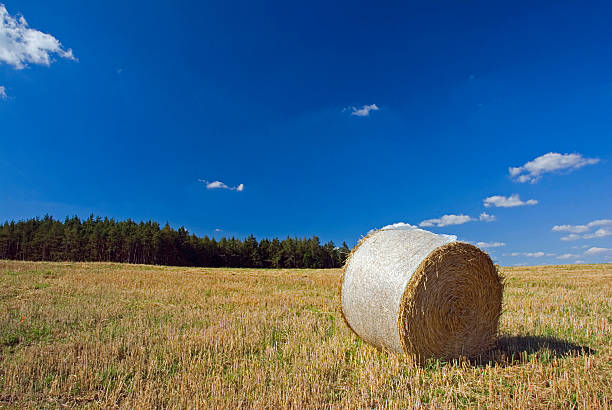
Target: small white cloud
[399,225]
[570,228]
[221,185]
[486,217]
[600,233]
[597,251]
[599,222]
[578,261]
[215,185]
[21,45]
[532,171]
[218,230]
[515,254]
[363,111]
[501,201]
[534,254]
[576,229]
[3,95]
[582,228]
[567,256]
[490,244]
[446,220]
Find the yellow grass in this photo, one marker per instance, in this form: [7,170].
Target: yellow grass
[106,335]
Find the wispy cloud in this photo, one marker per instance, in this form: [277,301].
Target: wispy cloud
[597,251]
[538,254]
[21,45]
[501,201]
[218,230]
[576,229]
[3,95]
[452,219]
[567,256]
[534,254]
[363,111]
[446,220]
[600,233]
[221,185]
[490,244]
[485,217]
[581,228]
[533,170]
[399,225]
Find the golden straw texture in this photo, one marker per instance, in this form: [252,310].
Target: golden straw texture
[452,304]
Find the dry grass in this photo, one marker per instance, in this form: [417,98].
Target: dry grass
[106,335]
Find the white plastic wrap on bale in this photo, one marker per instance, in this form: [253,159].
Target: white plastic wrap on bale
[376,277]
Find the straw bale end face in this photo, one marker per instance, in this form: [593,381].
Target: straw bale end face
[414,292]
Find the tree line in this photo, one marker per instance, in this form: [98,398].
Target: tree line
[106,240]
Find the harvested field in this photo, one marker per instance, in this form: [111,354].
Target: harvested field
[115,335]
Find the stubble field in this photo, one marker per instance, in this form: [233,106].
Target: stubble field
[132,336]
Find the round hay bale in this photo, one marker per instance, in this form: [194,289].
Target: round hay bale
[410,291]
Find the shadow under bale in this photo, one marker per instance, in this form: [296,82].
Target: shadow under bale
[514,350]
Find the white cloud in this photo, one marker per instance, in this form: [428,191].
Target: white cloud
[597,251]
[446,220]
[567,256]
[21,45]
[534,254]
[3,95]
[396,226]
[507,202]
[486,217]
[532,171]
[600,222]
[399,225]
[215,185]
[363,111]
[581,228]
[570,228]
[531,254]
[221,185]
[576,229]
[600,233]
[490,244]
[218,230]
[578,261]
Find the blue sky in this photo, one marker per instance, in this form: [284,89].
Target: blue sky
[318,118]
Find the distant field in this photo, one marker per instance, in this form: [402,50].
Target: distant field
[105,335]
